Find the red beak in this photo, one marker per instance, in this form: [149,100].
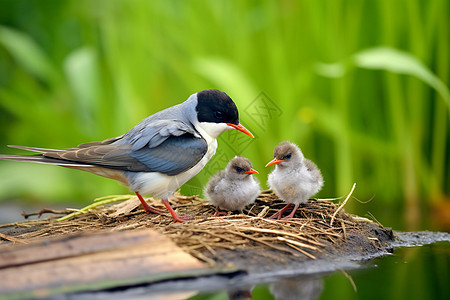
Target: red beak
[274,162]
[251,172]
[241,128]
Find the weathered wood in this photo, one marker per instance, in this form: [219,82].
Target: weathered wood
[74,245]
[92,261]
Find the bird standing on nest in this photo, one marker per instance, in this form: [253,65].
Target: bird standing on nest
[159,154]
[233,188]
[295,178]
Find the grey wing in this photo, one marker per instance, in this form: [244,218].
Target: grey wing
[153,134]
[214,180]
[169,149]
[314,170]
[165,146]
[174,155]
[104,142]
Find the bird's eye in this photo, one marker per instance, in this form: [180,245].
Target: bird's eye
[288,156]
[239,170]
[218,115]
[308,169]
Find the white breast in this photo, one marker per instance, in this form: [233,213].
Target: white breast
[162,185]
[293,185]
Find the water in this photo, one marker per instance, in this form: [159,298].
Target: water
[410,273]
[420,272]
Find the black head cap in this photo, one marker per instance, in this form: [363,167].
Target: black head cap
[215,106]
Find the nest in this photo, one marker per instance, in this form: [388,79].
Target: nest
[319,227]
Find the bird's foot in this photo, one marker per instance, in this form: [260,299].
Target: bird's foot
[147,208]
[175,216]
[291,215]
[275,216]
[278,214]
[179,218]
[219,213]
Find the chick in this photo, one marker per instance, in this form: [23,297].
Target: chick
[234,187]
[295,179]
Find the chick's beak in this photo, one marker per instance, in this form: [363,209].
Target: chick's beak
[251,172]
[274,162]
[241,128]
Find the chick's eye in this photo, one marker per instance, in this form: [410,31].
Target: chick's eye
[218,115]
[288,156]
[239,170]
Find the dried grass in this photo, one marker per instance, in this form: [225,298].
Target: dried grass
[317,225]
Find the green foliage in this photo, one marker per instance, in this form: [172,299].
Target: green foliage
[361,88]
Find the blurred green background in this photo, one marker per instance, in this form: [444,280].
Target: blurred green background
[360,86]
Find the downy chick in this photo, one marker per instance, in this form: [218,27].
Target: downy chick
[234,187]
[295,179]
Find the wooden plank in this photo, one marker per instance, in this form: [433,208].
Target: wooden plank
[73,245]
[92,261]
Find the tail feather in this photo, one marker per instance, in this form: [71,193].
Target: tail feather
[37,149]
[43,160]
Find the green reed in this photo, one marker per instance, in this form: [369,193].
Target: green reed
[360,87]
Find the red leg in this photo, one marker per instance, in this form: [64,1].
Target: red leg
[291,215]
[279,213]
[148,209]
[176,217]
[219,213]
